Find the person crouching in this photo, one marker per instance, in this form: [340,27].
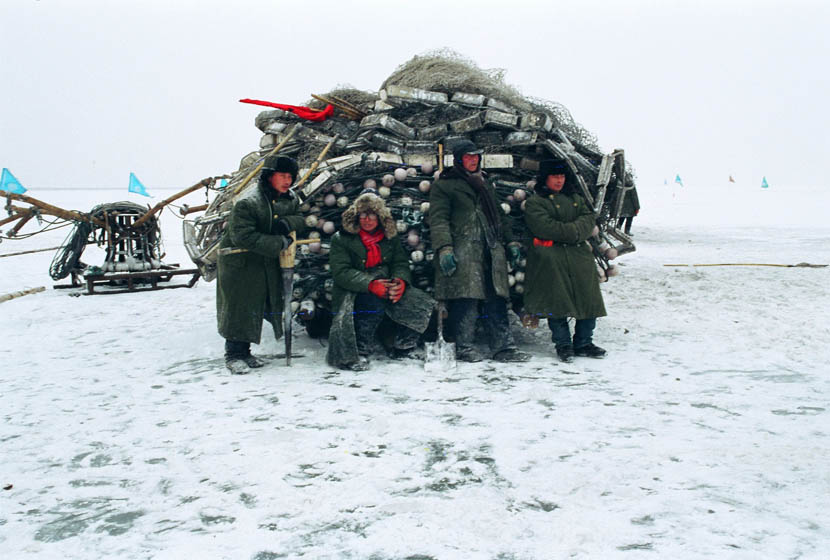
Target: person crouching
[372,279]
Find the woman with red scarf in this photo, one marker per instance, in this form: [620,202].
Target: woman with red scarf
[372,280]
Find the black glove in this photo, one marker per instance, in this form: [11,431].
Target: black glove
[282,227]
[286,242]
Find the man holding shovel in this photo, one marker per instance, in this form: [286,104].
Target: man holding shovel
[249,283]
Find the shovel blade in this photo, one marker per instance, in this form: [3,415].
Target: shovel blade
[440,356]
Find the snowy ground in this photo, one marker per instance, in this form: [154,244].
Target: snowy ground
[704,434]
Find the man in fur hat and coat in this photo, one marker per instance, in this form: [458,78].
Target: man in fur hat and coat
[561,276]
[372,280]
[468,232]
[249,282]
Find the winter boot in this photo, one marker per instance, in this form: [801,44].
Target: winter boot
[468,354]
[565,353]
[237,366]
[253,361]
[590,351]
[362,364]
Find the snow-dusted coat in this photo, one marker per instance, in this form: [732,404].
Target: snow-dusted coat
[457,219]
[249,285]
[347,262]
[561,280]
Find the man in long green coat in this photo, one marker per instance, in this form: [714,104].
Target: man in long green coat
[468,232]
[561,277]
[249,284]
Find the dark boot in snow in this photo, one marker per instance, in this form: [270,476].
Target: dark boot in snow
[511,355]
[590,351]
[254,362]
[468,354]
[362,364]
[565,353]
[237,366]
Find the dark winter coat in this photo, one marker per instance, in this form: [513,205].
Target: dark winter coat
[249,285]
[561,280]
[347,261]
[457,219]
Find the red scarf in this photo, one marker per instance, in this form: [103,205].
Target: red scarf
[370,241]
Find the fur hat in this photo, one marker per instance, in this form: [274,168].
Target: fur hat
[279,164]
[369,202]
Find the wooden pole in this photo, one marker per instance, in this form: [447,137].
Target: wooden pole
[203,183]
[27,252]
[7,297]
[185,210]
[71,215]
[316,163]
[276,149]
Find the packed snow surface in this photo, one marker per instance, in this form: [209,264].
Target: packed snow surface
[705,433]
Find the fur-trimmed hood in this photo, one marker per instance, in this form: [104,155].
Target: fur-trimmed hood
[369,202]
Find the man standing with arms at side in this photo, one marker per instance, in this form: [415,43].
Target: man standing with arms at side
[249,283]
[468,232]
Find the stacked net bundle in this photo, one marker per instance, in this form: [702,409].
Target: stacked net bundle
[397,140]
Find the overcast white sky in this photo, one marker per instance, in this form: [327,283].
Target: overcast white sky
[91,89]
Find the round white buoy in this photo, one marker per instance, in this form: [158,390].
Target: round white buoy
[520,288]
[416,256]
[511,280]
[520,276]
[400,225]
[425,207]
[423,186]
[328,228]
[388,180]
[519,194]
[343,201]
[406,201]
[413,238]
[611,253]
[505,207]
[330,200]
[370,184]
[531,184]
[311,220]
[426,168]
[314,247]
[338,188]
[314,235]
[436,175]
[411,171]
[384,192]
[400,174]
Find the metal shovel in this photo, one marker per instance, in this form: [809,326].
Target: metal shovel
[440,354]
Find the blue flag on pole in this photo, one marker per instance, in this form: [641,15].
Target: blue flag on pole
[9,183]
[223,183]
[764,184]
[678,180]
[136,186]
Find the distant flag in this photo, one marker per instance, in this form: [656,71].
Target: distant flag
[678,180]
[764,184]
[223,183]
[731,180]
[665,181]
[9,183]
[136,186]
